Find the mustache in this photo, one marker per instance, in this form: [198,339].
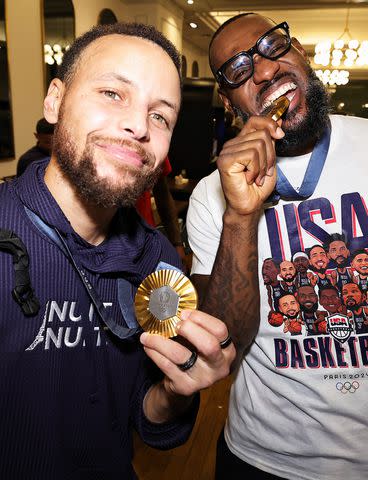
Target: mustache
[123,142]
[270,83]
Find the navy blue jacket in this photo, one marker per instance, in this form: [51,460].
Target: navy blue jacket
[70,392]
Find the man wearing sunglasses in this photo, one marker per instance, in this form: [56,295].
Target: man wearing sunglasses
[287,415]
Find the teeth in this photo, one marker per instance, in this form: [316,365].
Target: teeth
[277,93]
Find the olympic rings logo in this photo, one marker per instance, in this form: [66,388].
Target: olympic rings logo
[347,387]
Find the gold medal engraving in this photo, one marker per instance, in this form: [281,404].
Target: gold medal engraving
[159,300]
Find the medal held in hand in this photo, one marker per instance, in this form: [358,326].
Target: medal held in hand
[159,300]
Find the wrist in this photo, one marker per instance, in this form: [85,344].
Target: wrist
[232,217]
[162,404]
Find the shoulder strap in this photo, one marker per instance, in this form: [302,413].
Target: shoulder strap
[56,237]
[23,292]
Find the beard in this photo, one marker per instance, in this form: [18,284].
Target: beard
[321,270]
[289,278]
[309,129]
[354,307]
[312,309]
[291,317]
[342,263]
[81,171]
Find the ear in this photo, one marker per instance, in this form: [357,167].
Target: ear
[52,102]
[225,101]
[296,44]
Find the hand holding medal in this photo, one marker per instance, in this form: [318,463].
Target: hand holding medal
[165,306]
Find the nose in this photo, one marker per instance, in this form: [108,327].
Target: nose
[264,69]
[135,123]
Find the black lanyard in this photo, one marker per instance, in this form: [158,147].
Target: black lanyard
[54,235]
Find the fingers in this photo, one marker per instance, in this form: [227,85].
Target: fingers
[204,333]
[253,154]
[263,123]
[247,165]
[253,150]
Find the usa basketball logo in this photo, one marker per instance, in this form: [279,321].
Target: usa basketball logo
[339,327]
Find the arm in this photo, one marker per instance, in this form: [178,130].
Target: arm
[231,292]
[174,395]
[247,170]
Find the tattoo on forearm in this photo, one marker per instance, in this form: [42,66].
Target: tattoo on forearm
[233,290]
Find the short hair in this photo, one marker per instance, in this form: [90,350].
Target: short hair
[43,126]
[361,251]
[334,237]
[278,300]
[71,57]
[219,30]
[275,262]
[360,288]
[308,251]
[328,287]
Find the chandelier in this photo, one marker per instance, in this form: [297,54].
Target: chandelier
[339,54]
[54,54]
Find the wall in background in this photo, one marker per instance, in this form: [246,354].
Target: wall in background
[24,29]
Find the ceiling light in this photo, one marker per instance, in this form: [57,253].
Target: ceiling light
[190,2]
[341,53]
[334,77]
[193,25]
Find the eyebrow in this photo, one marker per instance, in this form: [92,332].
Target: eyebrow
[122,79]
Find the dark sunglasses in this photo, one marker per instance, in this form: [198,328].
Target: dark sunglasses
[271,45]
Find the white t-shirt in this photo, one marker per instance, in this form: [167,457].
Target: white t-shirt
[299,403]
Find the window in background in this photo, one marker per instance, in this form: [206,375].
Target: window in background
[6,124]
[195,69]
[183,66]
[59,33]
[106,17]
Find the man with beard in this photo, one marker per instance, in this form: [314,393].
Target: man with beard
[270,274]
[359,262]
[338,253]
[310,314]
[318,263]
[237,218]
[75,375]
[289,307]
[354,299]
[287,277]
[301,264]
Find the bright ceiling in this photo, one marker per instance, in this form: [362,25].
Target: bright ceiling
[310,22]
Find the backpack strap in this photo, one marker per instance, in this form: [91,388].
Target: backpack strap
[23,292]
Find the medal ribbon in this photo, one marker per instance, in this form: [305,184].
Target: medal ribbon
[311,177]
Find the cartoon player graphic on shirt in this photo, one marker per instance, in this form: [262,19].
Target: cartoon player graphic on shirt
[301,264]
[330,300]
[270,273]
[359,262]
[338,254]
[287,276]
[289,307]
[318,261]
[313,318]
[354,299]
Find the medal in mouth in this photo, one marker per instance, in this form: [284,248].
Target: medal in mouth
[278,108]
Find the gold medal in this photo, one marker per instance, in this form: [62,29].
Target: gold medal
[278,107]
[159,300]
